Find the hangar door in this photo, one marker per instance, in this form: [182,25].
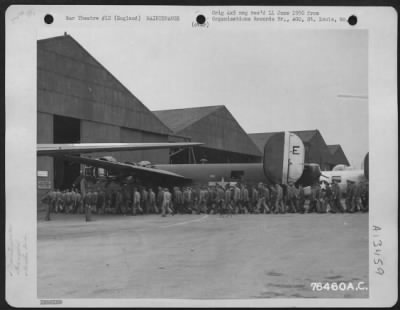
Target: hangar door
[65,130]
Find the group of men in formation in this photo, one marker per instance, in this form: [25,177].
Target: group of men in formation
[229,199]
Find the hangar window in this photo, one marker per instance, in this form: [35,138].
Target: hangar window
[88,171]
[237,174]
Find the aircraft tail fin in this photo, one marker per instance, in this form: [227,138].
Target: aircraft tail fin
[284,158]
[366,166]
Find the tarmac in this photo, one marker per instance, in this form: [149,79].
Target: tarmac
[202,256]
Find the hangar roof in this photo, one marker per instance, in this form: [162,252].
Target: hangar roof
[71,82]
[334,148]
[213,125]
[338,154]
[179,119]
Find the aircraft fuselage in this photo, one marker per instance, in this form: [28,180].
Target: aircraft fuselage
[250,173]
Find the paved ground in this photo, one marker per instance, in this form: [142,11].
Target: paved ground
[201,256]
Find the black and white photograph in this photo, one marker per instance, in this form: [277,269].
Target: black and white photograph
[204,154]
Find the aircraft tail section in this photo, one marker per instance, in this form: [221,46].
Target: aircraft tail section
[366,166]
[283,158]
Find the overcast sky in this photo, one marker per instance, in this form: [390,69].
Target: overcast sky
[270,80]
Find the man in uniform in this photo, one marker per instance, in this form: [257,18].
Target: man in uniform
[254,200]
[179,200]
[211,200]
[67,201]
[349,197]
[244,199]
[300,199]
[227,201]
[314,199]
[220,199]
[88,205]
[57,204]
[166,206]
[160,197]
[145,200]
[202,200]
[136,202]
[364,195]
[119,200]
[328,197]
[196,199]
[48,199]
[126,199]
[279,205]
[101,201]
[75,200]
[186,200]
[152,201]
[356,203]
[236,199]
[336,205]
[94,201]
[291,198]
[262,205]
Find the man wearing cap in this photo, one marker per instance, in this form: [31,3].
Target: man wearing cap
[349,196]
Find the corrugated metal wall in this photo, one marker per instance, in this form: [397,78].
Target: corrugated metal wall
[71,83]
[220,131]
[44,135]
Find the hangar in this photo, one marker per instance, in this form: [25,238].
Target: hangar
[316,150]
[79,101]
[338,155]
[225,140]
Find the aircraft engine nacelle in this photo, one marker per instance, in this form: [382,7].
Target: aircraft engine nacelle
[311,175]
[283,158]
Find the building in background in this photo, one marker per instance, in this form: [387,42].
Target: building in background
[338,155]
[225,140]
[79,101]
[316,150]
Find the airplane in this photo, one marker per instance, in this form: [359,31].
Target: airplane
[283,166]
[342,174]
[277,167]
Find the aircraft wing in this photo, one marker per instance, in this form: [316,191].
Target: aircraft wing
[124,168]
[80,148]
